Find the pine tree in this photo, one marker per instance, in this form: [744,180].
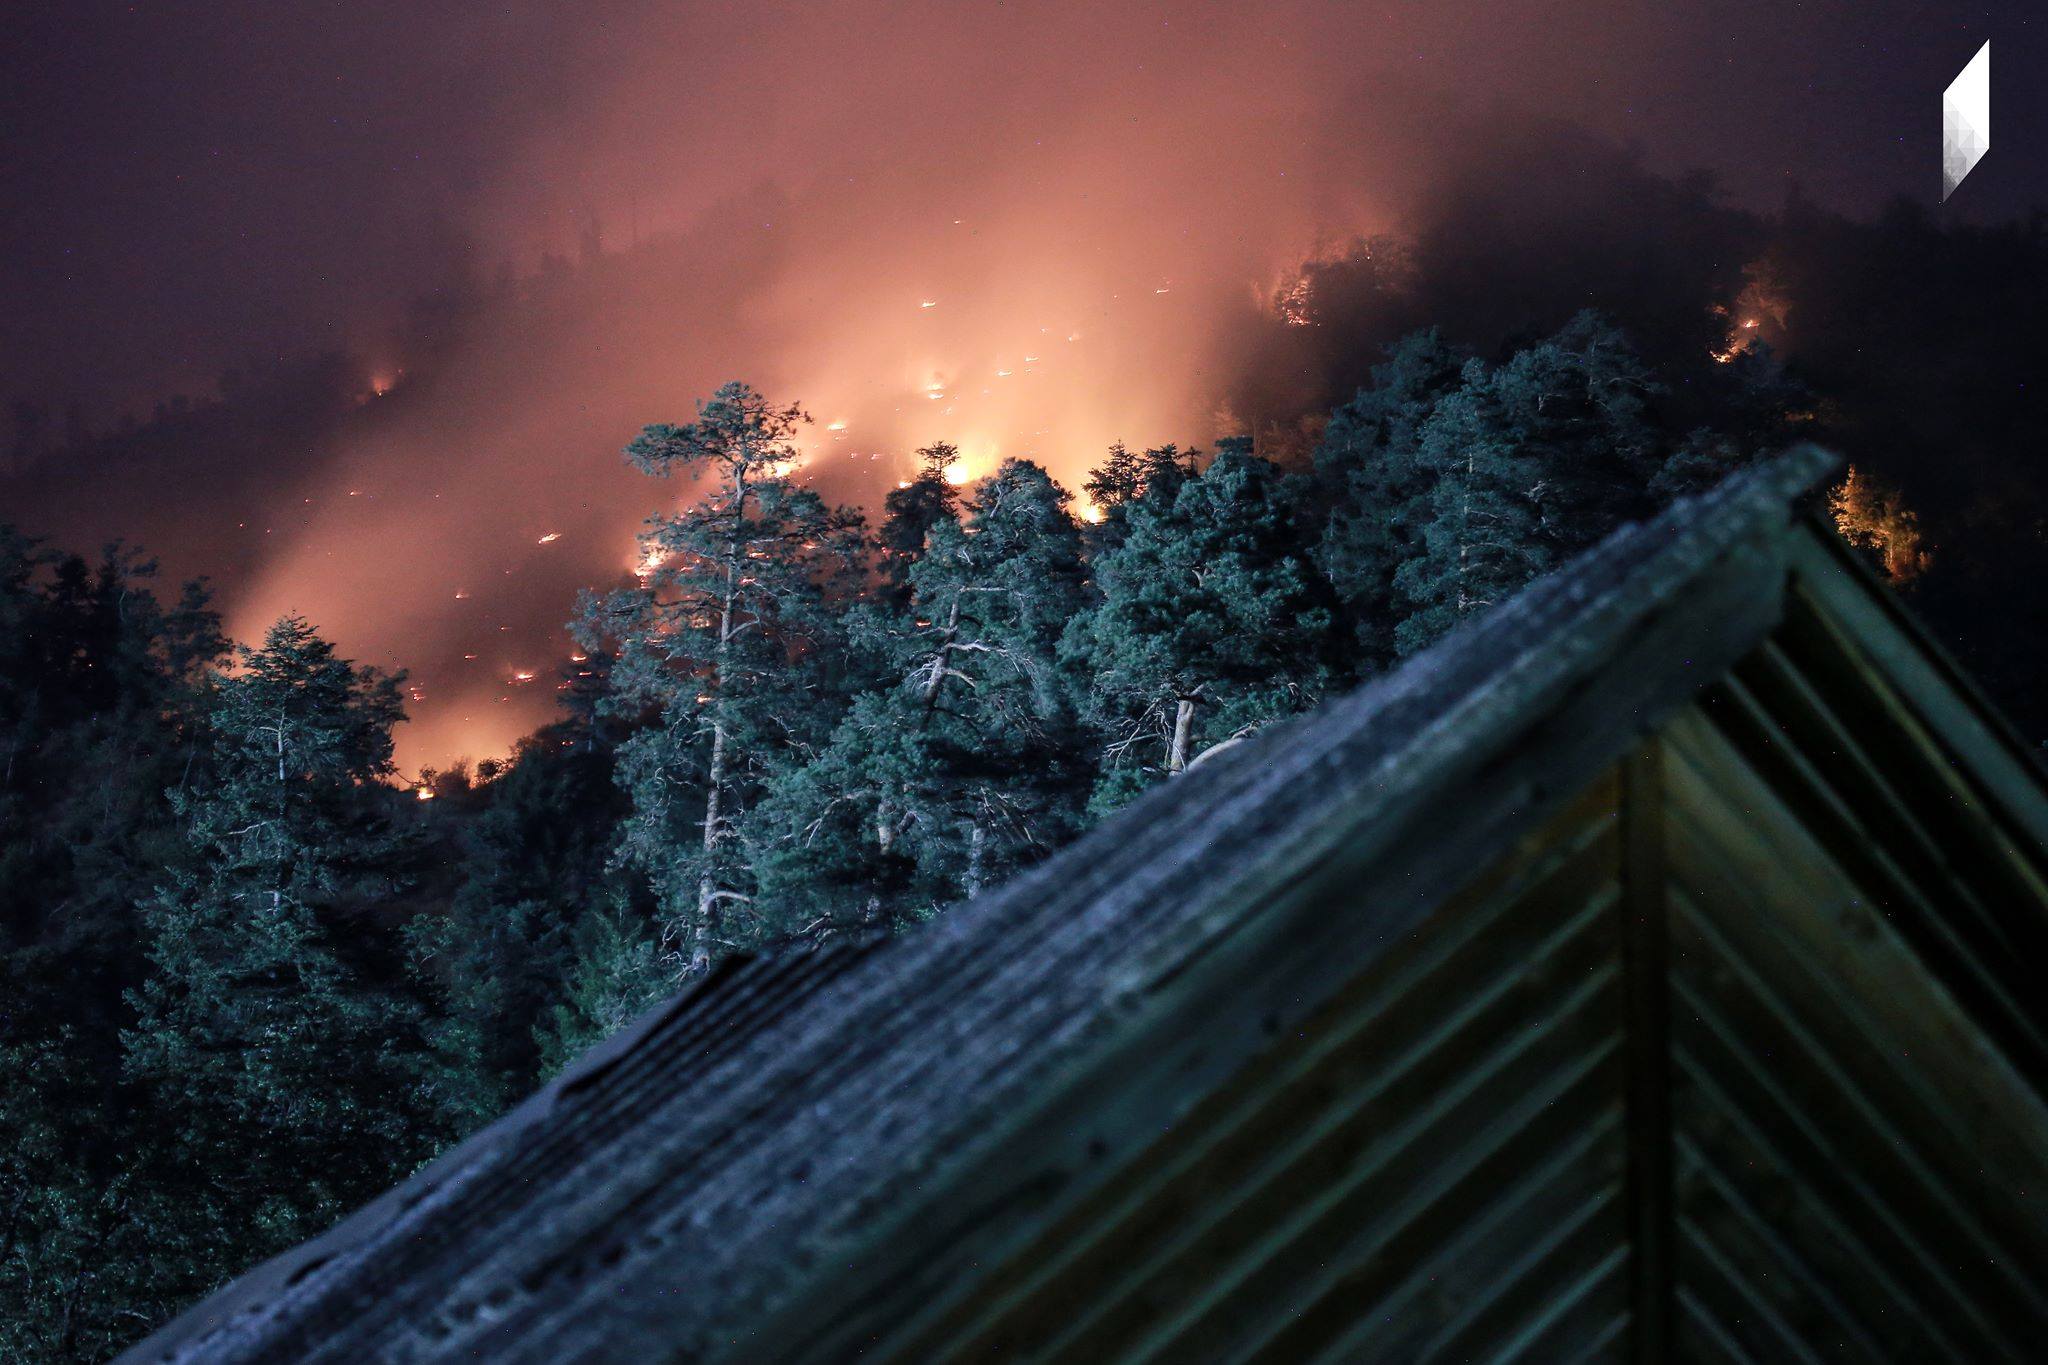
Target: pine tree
[732,645]
[1127,477]
[533,864]
[621,970]
[99,690]
[993,599]
[1481,540]
[1530,463]
[856,837]
[1117,480]
[1214,621]
[1372,489]
[72,1269]
[1576,406]
[910,512]
[279,1074]
[966,765]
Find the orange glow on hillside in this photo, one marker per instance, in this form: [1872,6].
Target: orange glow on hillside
[913,261]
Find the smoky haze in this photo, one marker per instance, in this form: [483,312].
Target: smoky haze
[1027,229]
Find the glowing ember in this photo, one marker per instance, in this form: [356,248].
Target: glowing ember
[551,537]
[522,676]
[929,303]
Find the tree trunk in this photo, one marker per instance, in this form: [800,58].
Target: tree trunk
[931,684]
[1183,733]
[707,884]
[1465,536]
[885,839]
[977,842]
[276,893]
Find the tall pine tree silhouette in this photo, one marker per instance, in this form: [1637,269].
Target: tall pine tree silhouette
[278,1072]
[732,643]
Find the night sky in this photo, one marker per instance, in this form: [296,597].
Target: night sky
[1026,228]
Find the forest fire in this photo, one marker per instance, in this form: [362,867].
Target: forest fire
[1142,267]
[1404,407]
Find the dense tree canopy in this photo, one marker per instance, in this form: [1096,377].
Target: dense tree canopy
[278,1066]
[1213,621]
[251,976]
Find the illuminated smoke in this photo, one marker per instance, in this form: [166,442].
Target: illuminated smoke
[1029,231]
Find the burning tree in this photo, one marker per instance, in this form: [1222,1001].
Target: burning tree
[1873,517]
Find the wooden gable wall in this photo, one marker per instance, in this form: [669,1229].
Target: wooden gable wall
[1732,1059]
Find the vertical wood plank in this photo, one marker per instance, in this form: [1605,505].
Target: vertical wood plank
[1647,993]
